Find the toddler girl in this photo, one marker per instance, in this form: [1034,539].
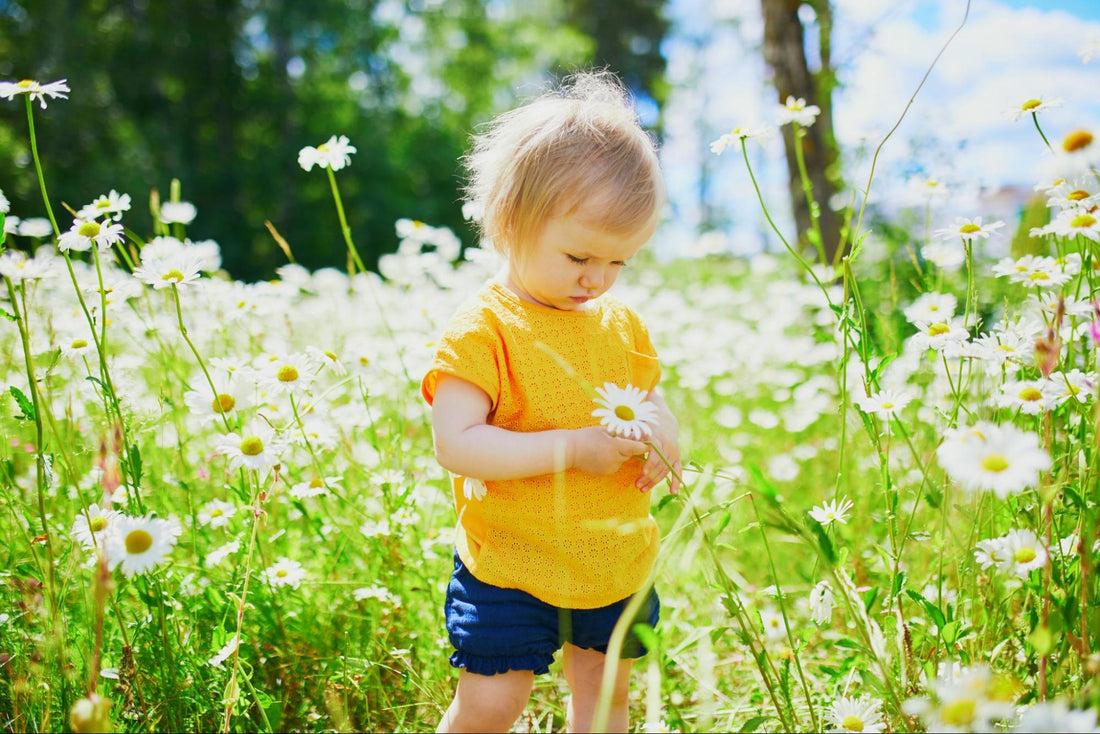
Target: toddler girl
[554,533]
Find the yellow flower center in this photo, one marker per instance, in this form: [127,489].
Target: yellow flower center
[1076,140]
[887,405]
[1038,275]
[852,723]
[624,412]
[102,204]
[331,355]
[1031,394]
[79,343]
[995,463]
[322,147]
[1082,220]
[1005,348]
[316,483]
[287,373]
[1025,555]
[97,523]
[282,573]
[88,229]
[26,84]
[252,446]
[138,541]
[938,329]
[217,512]
[959,713]
[173,274]
[1030,104]
[970,228]
[1077,195]
[224,403]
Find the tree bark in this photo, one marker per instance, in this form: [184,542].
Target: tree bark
[785,55]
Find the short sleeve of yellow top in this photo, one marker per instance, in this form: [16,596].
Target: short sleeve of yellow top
[573,540]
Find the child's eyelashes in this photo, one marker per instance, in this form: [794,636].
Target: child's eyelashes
[584,260]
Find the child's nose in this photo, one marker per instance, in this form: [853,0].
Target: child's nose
[593,278]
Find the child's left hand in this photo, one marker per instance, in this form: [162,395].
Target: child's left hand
[665,438]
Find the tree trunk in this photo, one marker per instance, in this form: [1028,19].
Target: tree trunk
[785,55]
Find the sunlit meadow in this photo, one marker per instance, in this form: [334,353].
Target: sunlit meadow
[223,512]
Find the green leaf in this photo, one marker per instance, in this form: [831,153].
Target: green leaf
[823,540]
[766,488]
[24,404]
[752,724]
[899,581]
[931,609]
[664,501]
[646,636]
[8,315]
[869,597]
[950,632]
[723,521]
[135,463]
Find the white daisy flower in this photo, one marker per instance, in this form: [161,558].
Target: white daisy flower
[375,528]
[774,627]
[381,593]
[140,543]
[968,229]
[796,110]
[91,526]
[5,205]
[1075,384]
[223,654]
[987,456]
[739,133]
[285,572]
[921,190]
[1030,397]
[831,511]
[286,375]
[75,347]
[216,556]
[1031,106]
[625,411]
[856,714]
[932,307]
[35,90]
[16,265]
[1076,222]
[334,154]
[947,335]
[1001,347]
[821,603]
[37,227]
[85,233]
[231,396]
[177,212]
[216,513]
[107,205]
[325,359]
[255,448]
[1021,552]
[180,270]
[11,224]
[1047,716]
[473,488]
[314,487]
[885,403]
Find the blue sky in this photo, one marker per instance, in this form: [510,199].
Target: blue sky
[956,131]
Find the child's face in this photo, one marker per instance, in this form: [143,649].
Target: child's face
[570,262]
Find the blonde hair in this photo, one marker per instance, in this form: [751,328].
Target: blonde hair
[579,146]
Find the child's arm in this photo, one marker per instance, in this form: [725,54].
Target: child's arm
[666,437]
[466,445]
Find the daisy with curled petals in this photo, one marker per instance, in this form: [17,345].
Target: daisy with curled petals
[91,526]
[474,489]
[109,205]
[140,543]
[1031,107]
[84,233]
[35,90]
[885,403]
[334,154]
[737,134]
[987,456]
[285,572]
[797,111]
[968,229]
[832,511]
[856,714]
[821,603]
[178,212]
[625,411]
[1030,397]
[180,270]
[254,448]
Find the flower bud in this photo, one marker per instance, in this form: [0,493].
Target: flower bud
[90,714]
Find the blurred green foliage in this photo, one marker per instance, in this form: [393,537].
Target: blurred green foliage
[222,94]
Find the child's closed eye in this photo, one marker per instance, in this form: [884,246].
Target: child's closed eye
[577,260]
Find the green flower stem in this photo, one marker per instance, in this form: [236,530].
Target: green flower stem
[38,167]
[195,351]
[230,699]
[39,449]
[344,228]
[102,304]
[1035,119]
[808,192]
[759,197]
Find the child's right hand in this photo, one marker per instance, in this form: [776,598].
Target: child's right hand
[596,451]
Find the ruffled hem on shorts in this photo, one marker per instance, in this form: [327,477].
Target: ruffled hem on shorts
[484,665]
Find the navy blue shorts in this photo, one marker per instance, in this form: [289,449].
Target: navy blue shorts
[495,630]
